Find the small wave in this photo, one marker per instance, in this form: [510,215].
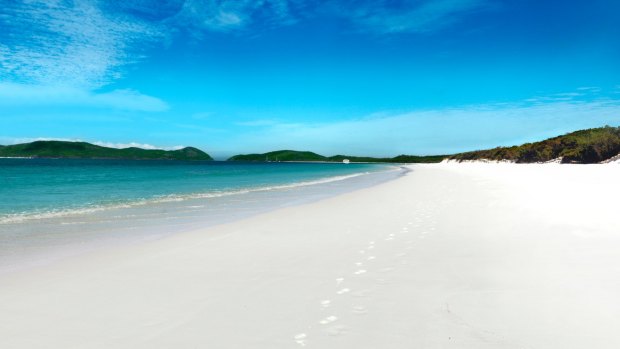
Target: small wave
[21,217]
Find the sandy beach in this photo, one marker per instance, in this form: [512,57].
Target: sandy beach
[447,256]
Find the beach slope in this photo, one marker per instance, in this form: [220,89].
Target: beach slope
[447,256]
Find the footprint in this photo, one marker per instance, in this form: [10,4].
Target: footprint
[370,247]
[359,310]
[371,258]
[362,251]
[343,291]
[300,339]
[385,270]
[325,303]
[339,281]
[359,264]
[360,272]
[328,320]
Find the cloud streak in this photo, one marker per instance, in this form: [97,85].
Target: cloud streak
[407,16]
[377,16]
[67,43]
[17,95]
[226,16]
[438,131]
[87,43]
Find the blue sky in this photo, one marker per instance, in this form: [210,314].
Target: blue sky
[380,78]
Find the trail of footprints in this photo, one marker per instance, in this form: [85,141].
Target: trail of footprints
[330,322]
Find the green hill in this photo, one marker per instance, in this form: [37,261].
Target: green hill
[83,150]
[585,147]
[293,155]
[280,155]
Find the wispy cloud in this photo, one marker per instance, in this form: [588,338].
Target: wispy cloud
[438,131]
[88,43]
[226,16]
[12,94]
[135,145]
[68,43]
[377,16]
[413,16]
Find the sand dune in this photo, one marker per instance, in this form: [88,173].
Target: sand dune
[448,256]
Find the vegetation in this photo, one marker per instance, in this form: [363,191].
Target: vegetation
[418,159]
[292,155]
[82,150]
[585,146]
[280,155]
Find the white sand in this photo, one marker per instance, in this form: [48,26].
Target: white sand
[450,256]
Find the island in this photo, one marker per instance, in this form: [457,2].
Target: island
[587,146]
[580,147]
[294,155]
[83,150]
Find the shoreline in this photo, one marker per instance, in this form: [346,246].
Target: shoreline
[66,233]
[466,256]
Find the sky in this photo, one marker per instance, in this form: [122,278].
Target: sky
[355,77]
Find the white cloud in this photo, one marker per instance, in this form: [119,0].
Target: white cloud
[12,94]
[86,44]
[135,145]
[67,43]
[437,131]
[59,52]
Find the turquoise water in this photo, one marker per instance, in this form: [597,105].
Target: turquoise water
[54,208]
[40,188]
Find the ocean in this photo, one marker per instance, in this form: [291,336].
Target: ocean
[51,208]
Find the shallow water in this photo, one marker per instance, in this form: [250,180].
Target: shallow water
[52,208]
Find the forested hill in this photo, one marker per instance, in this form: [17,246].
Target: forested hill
[585,147]
[293,155]
[83,150]
[280,155]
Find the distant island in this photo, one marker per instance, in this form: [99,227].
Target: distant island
[293,155]
[83,150]
[582,147]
